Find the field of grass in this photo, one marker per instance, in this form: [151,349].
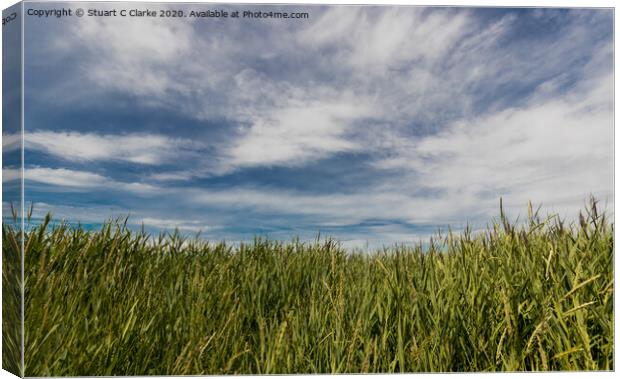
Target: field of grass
[11,303]
[536,295]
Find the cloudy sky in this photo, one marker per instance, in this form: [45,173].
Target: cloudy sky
[371,124]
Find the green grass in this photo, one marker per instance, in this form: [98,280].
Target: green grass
[538,296]
[12,301]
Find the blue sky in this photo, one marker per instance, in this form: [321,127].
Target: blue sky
[372,124]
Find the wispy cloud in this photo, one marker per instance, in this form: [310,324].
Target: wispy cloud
[334,209]
[11,141]
[557,152]
[10,174]
[182,225]
[300,132]
[139,148]
[373,42]
[72,180]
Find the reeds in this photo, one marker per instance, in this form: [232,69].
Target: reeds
[530,296]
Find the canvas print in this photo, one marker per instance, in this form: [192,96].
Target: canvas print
[212,188]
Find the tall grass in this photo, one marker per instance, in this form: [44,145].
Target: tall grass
[12,297]
[533,296]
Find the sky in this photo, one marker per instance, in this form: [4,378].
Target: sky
[374,125]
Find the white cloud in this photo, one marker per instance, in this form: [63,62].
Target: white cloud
[134,54]
[556,153]
[11,142]
[173,176]
[170,224]
[65,178]
[83,180]
[333,209]
[10,174]
[373,41]
[136,148]
[300,132]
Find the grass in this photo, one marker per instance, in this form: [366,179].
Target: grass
[12,300]
[531,296]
